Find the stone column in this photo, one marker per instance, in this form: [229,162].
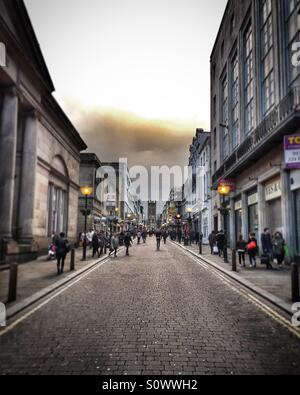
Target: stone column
[288,219]
[8,146]
[262,207]
[28,178]
[245,220]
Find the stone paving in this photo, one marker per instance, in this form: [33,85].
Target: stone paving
[39,274]
[150,313]
[276,282]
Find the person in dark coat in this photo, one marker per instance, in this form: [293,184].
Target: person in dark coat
[212,239]
[95,244]
[267,246]
[127,242]
[62,248]
[278,247]
[221,239]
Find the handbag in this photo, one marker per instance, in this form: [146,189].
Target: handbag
[216,250]
[251,246]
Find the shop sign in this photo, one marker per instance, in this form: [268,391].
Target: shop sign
[273,190]
[238,205]
[227,183]
[292,151]
[253,199]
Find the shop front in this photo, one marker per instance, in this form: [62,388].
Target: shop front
[238,219]
[253,225]
[295,188]
[273,205]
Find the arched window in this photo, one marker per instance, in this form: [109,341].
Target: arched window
[58,200]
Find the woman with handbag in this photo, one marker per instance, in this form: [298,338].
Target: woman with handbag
[252,249]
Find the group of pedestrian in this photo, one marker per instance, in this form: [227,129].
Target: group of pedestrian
[273,247]
[217,242]
[102,242]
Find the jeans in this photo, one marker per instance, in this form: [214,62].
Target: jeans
[60,262]
[242,257]
[252,256]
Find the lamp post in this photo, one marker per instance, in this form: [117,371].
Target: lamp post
[224,191]
[190,223]
[86,192]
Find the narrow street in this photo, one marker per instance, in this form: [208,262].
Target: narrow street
[152,313]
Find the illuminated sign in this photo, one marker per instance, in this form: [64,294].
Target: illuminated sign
[292,151]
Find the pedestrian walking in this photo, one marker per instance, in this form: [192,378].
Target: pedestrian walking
[179,236]
[127,242]
[278,247]
[95,244]
[62,248]
[221,238]
[252,248]
[267,248]
[165,236]
[114,245]
[139,236]
[241,248]
[144,235]
[158,235]
[102,242]
[212,239]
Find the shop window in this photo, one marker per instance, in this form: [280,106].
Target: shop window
[57,210]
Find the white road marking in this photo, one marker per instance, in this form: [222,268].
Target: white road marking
[45,302]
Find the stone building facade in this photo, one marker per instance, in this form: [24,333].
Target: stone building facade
[255,102]
[39,146]
[199,200]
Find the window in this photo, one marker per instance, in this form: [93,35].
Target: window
[57,210]
[224,118]
[235,101]
[248,80]
[215,107]
[232,23]
[215,138]
[293,37]
[267,56]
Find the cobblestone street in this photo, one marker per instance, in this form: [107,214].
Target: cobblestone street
[152,313]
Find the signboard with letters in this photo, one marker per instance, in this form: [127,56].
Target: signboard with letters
[273,190]
[292,151]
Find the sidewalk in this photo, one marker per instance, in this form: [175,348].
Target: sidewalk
[40,274]
[277,282]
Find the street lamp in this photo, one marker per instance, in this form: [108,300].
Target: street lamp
[86,192]
[224,190]
[190,210]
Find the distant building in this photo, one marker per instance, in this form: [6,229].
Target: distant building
[152,214]
[121,206]
[255,103]
[39,147]
[198,198]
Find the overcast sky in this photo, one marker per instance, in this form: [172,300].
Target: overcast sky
[134,72]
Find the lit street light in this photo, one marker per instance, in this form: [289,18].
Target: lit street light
[86,192]
[224,190]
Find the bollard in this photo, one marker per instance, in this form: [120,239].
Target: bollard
[200,247]
[234,269]
[72,263]
[295,283]
[225,255]
[13,281]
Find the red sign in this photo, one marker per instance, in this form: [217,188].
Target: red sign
[228,183]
